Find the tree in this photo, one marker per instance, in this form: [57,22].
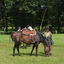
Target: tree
[32,12]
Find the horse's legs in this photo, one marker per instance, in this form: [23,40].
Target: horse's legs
[32,49]
[51,50]
[36,48]
[14,49]
[18,49]
[23,45]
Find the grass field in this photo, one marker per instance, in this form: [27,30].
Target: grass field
[6,50]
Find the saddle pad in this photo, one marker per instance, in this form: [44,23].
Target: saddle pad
[33,32]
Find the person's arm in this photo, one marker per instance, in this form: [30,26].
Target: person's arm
[50,34]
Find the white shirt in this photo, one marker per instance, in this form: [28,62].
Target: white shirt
[18,30]
[47,34]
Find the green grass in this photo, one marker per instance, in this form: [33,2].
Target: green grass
[6,50]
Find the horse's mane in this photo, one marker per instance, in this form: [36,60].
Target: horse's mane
[43,39]
[41,36]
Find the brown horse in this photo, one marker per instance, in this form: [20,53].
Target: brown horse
[18,36]
[48,49]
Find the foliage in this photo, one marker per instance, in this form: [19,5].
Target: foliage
[30,12]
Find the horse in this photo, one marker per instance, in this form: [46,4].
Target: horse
[48,49]
[18,36]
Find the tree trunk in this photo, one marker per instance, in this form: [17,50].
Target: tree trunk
[42,19]
[1,6]
[48,22]
[31,21]
[16,26]
[59,24]
[4,16]
[12,27]
[6,26]
[48,13]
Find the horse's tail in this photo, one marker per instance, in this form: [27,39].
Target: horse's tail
[13,38]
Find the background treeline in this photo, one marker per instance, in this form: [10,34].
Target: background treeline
[37,13]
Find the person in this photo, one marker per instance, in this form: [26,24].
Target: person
[48,35]
[19,28]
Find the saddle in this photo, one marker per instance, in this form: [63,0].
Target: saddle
[31,33]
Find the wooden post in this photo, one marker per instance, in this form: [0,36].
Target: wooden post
[55,31]
[9,38]
[4,16]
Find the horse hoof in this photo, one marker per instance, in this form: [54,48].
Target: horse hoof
[36,55]
[30,54]
[13,55]
[51,55]
[19,55]
[47,55]
[25,47]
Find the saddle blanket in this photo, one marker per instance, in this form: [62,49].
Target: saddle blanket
[32,33]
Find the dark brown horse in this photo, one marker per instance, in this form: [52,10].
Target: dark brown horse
[18,36]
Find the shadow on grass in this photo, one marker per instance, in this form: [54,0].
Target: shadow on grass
[58,45]
[28,54]
[24,47]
